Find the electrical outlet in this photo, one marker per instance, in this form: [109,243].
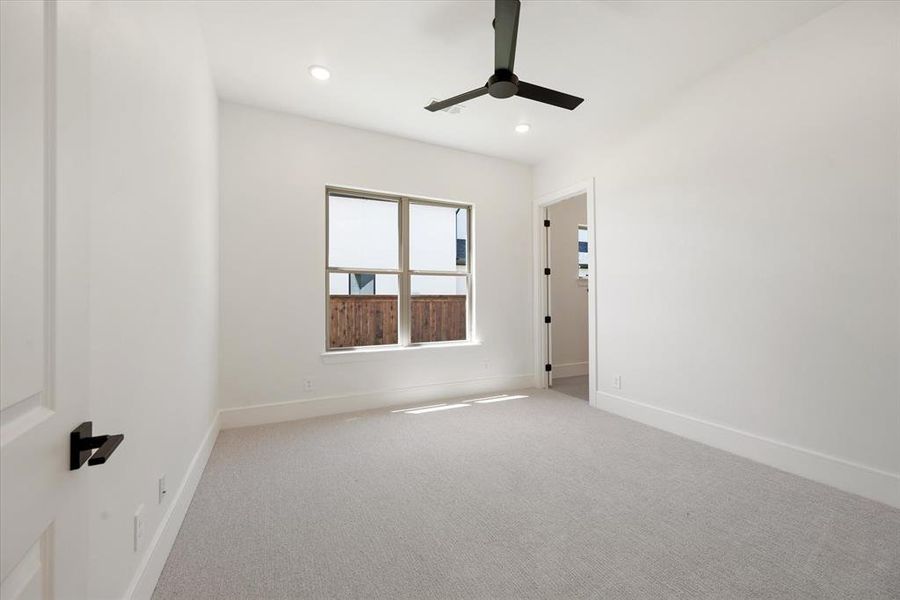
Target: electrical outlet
[162,489]
[307,384]
[139,528]
[617,383]
[485,365]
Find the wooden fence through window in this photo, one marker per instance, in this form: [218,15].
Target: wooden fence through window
[362,320]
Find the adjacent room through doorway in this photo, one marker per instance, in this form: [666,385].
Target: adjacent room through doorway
[567,291]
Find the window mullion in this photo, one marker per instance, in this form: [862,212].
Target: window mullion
[403,300]
[438,273]
[363,270]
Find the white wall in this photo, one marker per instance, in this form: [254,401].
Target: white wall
[568,293]
[274,169]
[153,268]
[748,255]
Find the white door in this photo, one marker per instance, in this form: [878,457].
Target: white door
[44,101]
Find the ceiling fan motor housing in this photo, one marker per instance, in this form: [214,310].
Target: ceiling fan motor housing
[503,84]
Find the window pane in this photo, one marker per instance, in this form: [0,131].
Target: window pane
[582,251]
[357,284]
[362,233]
[438,308]
[363,309]
[438,238]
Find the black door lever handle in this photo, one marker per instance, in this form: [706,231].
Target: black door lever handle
[107,447]
[82,446]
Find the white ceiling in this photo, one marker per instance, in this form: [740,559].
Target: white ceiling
[389,58]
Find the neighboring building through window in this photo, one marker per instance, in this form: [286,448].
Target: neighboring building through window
[358,284]
[462,234]
[399,270]
[582,251]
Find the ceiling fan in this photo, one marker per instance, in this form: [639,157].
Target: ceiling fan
[504,83]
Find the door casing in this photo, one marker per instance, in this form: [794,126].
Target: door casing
[542,350]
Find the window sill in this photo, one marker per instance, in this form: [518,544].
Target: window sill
[367,354]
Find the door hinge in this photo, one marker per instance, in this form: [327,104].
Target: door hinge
[546,222]
[547,271]
[547,319]
[548,367]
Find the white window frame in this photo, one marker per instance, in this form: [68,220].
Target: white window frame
[404,273]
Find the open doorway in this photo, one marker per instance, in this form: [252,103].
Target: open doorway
[567,289]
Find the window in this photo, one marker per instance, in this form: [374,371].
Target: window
[582,251]
[398,269]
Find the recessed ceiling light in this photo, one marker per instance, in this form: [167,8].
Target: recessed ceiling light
[523,128]
[319,72]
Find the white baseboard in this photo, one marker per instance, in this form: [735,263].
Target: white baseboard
[570,369]
[843,474]
[154,559]
[332,405]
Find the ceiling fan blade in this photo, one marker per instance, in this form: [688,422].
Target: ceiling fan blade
[548,96]
[436,106]
[506,29]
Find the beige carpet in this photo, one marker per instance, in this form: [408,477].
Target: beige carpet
[537,497]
